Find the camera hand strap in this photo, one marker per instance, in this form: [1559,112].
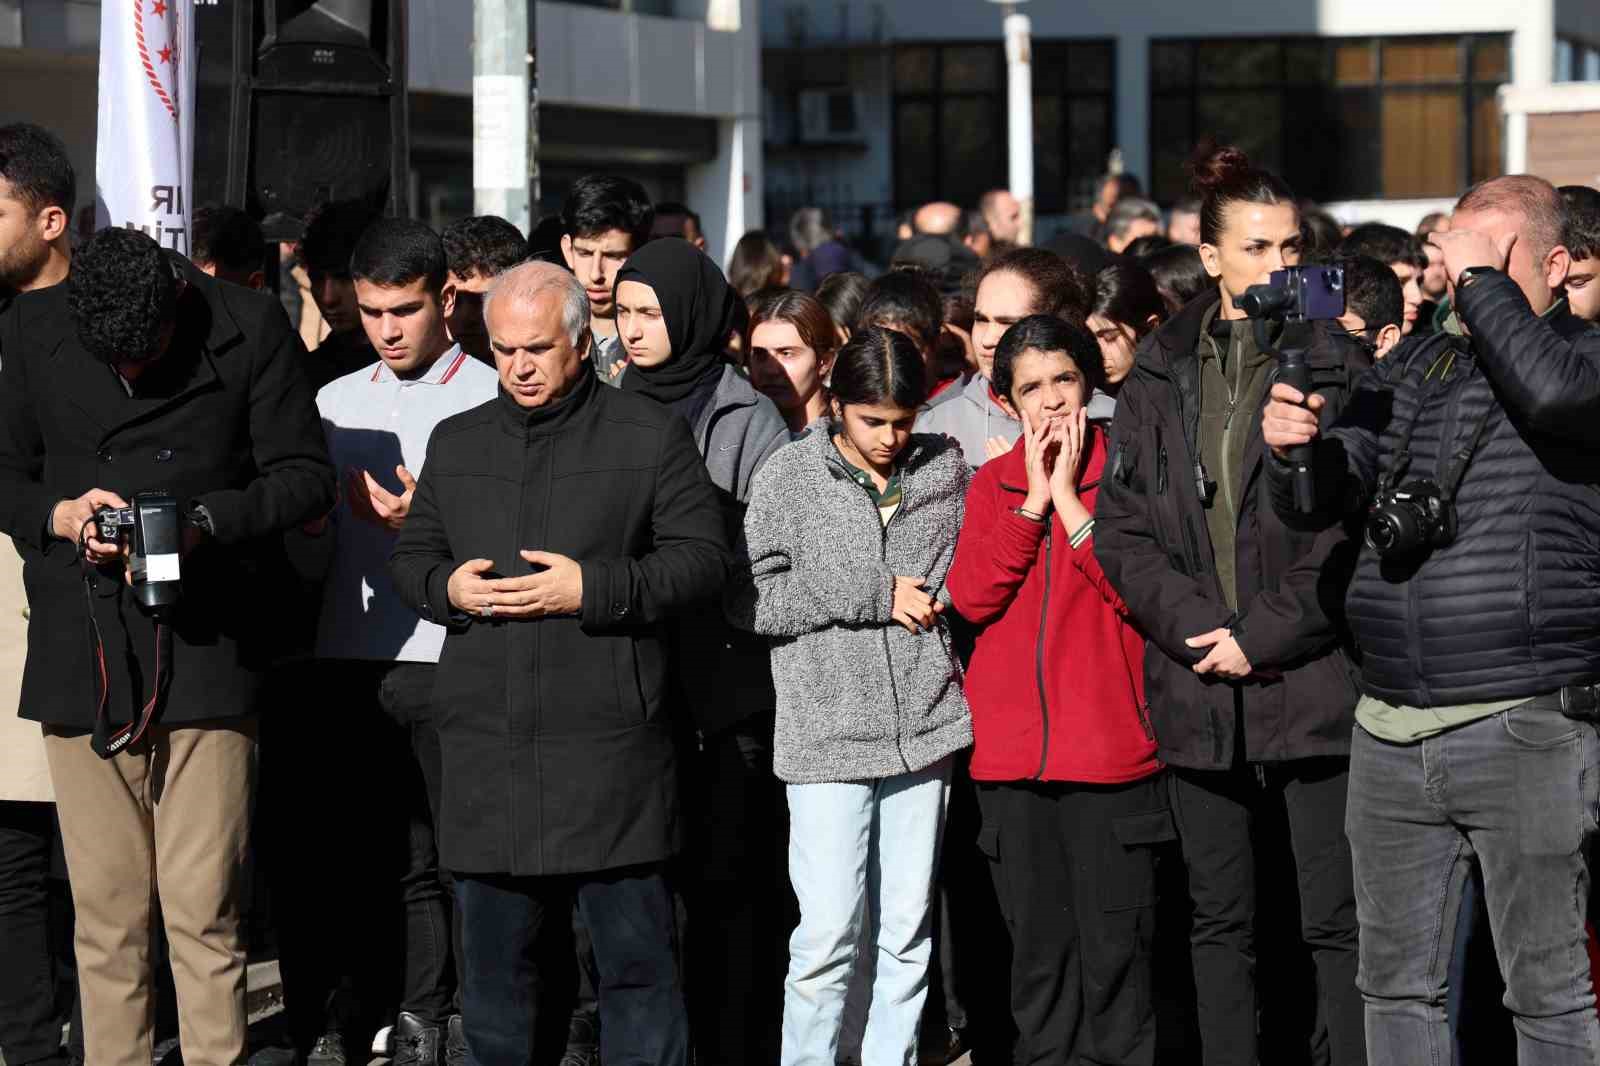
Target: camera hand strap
[103,740]
[1456,469]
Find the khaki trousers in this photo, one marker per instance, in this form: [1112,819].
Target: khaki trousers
[165,821]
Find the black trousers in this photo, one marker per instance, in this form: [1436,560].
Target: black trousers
[1216,814]
[739,905]
[629,915]
[35,931]
[1074,868]
[350,780]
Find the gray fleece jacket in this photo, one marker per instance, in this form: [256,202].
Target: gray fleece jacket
[859,697]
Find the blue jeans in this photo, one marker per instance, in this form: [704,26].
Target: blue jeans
[629,914]
[1517,790]
[852,846]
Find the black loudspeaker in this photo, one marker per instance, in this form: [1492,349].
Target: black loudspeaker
[300,102]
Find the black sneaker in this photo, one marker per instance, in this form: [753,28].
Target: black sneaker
[583,1041]
[416,1043]
[327,1051]
[455,1042]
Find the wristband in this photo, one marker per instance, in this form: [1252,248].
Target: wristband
[1023,512]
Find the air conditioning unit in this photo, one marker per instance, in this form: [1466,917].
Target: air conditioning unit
[830,116]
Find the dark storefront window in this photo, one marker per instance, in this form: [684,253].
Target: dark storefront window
[1339,118]
[950,125]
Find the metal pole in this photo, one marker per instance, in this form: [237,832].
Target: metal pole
[1019,111]
[502,109]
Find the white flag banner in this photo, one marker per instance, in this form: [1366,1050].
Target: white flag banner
[144,144]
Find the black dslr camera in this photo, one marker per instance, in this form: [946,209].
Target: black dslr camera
[1407,518]
[152,527]
[1295,297]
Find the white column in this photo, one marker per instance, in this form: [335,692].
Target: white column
[726,192]
[501,110]
[1132,131]
[1019,113]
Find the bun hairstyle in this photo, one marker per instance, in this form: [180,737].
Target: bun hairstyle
[879,366]
[1223,176]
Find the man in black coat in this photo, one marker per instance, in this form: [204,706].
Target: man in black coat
[1480,642]
[553,532]
[142,374]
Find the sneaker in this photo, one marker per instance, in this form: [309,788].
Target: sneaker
[416,1043]
[583,1041]
[327,1051]
[455,1042]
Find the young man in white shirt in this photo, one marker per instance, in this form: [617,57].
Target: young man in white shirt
[375,657]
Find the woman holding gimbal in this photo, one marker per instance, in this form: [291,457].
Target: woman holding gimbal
[1250,696]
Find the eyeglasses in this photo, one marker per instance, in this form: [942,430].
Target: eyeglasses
[1360,336]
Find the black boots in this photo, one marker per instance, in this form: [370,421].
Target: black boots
[416,1043]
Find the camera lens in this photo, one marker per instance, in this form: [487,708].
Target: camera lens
[1393,528]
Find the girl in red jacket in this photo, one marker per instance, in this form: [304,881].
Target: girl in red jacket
[1064,759]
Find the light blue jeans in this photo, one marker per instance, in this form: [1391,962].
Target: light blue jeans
[856,846]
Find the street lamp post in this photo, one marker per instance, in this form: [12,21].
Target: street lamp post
[1019,109]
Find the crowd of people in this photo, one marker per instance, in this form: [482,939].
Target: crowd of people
[604,657]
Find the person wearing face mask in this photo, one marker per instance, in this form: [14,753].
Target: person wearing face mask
[1127,306]
[673,310]
[1014,285]
[1068,780]
[1250,695]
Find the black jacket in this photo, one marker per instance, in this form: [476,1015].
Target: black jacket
[1512,607]
[1151,540]
[225,419]
[558,750]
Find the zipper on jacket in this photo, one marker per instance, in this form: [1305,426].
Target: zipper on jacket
[888,658]
[1038,655]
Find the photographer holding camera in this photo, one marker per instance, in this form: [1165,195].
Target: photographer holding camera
[1249,695]
[1476,610]
[143,379]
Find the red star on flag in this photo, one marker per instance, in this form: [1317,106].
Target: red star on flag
[158,8]
[166,54]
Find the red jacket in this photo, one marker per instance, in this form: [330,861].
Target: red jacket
[1056,684]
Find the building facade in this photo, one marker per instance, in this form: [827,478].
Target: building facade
[664,91]
[1378,110]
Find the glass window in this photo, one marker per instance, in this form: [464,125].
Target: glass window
[1355,63]
[1413,61]
[1339,118]
[1422,140]
[1491,59]
[914,70]
[950,120]
[1565,69]
[1171,64]
[1238,63]
[916,172]
[971,68]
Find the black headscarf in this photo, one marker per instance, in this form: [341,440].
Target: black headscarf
[698,306]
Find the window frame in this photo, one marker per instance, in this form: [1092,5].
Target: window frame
[1468,88]
[1053,200]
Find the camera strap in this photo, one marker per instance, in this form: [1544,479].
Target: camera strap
[1453,471]
[105,742]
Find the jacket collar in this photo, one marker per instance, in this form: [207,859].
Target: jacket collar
[1013,465]
[443,369]
[552,417]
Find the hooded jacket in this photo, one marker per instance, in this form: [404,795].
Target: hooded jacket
[859,696]
[970,418]
[1056,682]
[1151,537]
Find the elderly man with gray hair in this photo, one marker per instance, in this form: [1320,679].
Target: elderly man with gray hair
[554,532]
